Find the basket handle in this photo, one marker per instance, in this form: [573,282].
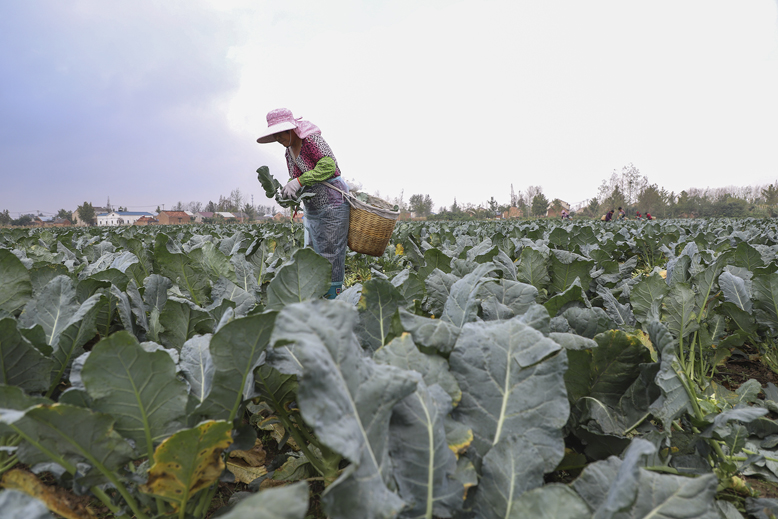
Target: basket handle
[349,196]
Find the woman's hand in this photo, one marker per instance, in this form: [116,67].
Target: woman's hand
[291,188]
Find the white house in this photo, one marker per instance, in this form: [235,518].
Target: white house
[120,217]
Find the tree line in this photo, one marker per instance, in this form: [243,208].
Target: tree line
[628,189]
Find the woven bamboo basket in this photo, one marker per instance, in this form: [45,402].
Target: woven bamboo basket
[370,227]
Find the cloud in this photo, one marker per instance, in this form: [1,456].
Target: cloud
[114,99]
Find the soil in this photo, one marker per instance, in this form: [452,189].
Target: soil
[740,369]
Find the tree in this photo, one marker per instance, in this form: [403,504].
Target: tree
[86,213]
[771,194]
[122,209]
[556,205]
[64,214]
[179,206]
[420,205]
[539,205]
[5,218]
[236,200]
[158,210]
[23,221]
[249,211]
[493,206]
[195,207]
[593,208]
[532,192]
[650,200]
[211,207]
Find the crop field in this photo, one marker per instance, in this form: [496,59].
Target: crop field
[508,369]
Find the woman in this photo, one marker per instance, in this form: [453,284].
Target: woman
[313,167]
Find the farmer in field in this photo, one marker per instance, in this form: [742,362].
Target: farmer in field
[313,167]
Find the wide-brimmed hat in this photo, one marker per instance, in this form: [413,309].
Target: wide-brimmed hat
[281,119]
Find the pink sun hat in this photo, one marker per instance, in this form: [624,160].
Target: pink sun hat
[281,119]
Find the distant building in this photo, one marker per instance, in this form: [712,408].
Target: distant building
[146,220]
[173,217]
[556,211]
[512,212]
[57,222]
[114,218]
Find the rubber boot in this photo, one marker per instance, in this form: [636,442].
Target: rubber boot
[335,289]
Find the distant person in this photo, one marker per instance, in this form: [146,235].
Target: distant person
[622,214]
[565,214]
[648,216]
[609,216]
[639,216]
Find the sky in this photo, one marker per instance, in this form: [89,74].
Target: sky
[151,103]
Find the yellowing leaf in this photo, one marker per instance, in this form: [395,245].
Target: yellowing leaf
[254,457]
[188,461]
[56,499]
[399,250]
[245,473]
[277,431]
[460,444]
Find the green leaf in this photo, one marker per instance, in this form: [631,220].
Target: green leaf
[236,350]
[588,322]
[13,398]
[138,388]
[747,257]
[213,262]
[183,271]
[574,294]
[431,333]
[16,288]
[80,329]
[766,299]
[197,367]
[506,298]
[742,320]
[402,353]
[347,400]
[512,383]
[438,284]
[410,286]
[434,259]
[423,463]
[462,304]
[377,307]
[680,310]
[269,183]
[553,501]
[71,435]
[224,289]
[181,320]
[533,268]
[674,400]
[306,276]
[510,468]
[615,488]
[565,268]
[155,289]
[619,313]
[644,294]
[607,371]
[20,363]
[188,462]
[287,502]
